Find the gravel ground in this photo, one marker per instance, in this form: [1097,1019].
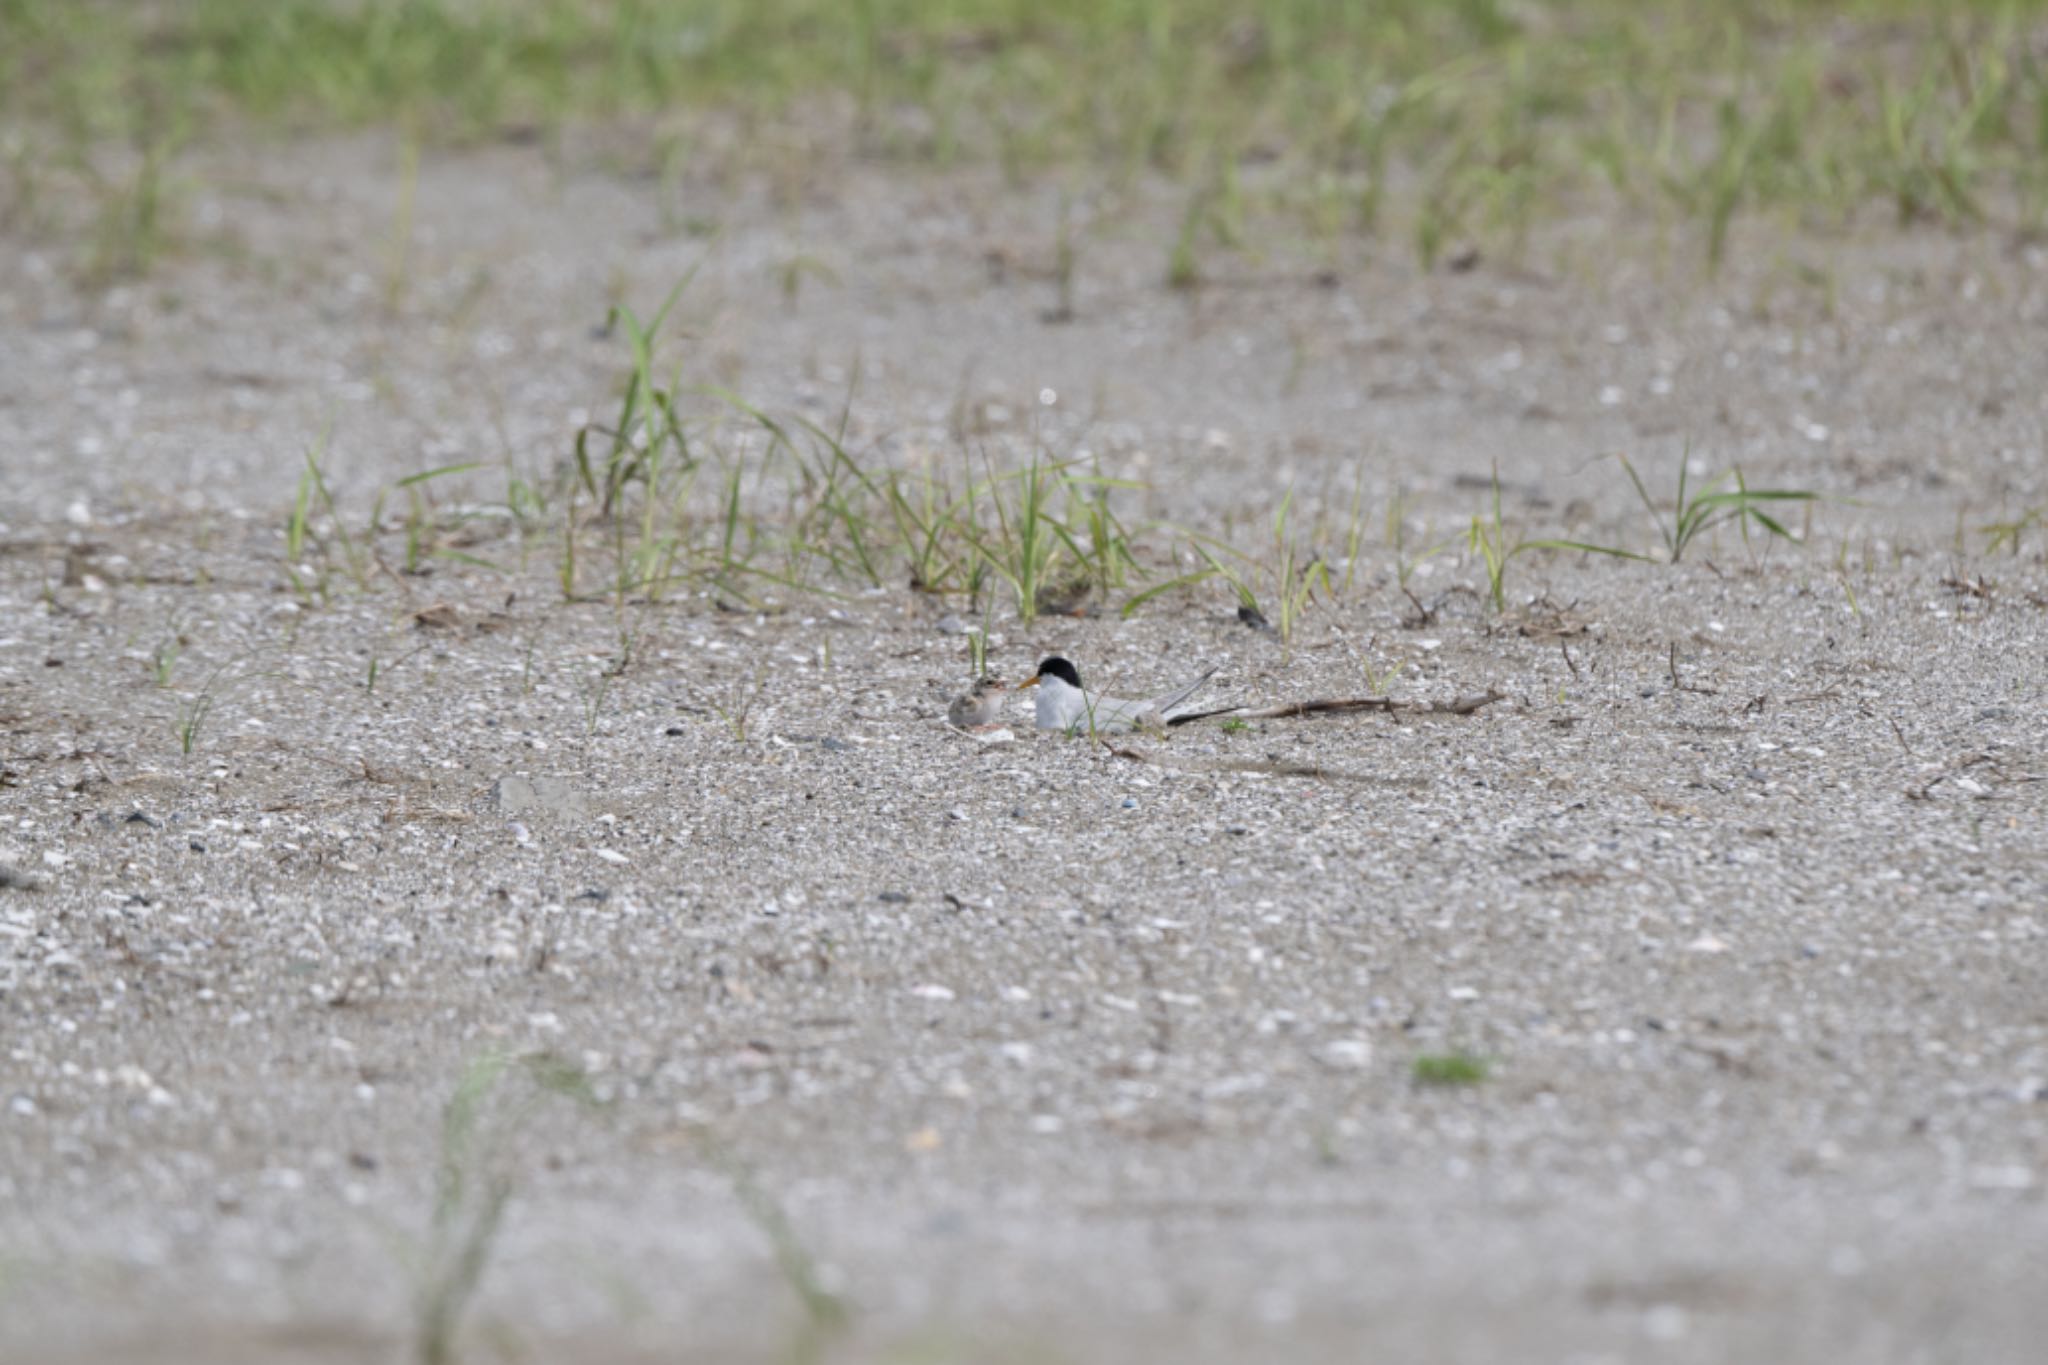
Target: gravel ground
[1023,1049]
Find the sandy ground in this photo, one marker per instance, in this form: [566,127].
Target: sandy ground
[1046,1053]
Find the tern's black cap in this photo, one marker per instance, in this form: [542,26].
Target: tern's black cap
[1056,667]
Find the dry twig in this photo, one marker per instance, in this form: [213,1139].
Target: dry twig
[1293,710]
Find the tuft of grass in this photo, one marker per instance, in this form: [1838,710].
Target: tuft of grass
[1291,573]
[302,534]
[1183,270]
[133,216]
[1023,548]
[420,522]
[826,1315]
[646,426]
[398,251]
[1065,260]
[163,660]
[1054,539]
[800,266]
[473,1184]
[497,1098]
[196,709]
[319,548]
[977,649]
[734,704]
[1498,546]
[1354,534]
[1449,1069]
[192,718]
[924,516]
[595,691]
[2007,535]
[1696,511]
[1377,683]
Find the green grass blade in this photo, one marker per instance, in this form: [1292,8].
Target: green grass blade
[1186,580]
[428,474]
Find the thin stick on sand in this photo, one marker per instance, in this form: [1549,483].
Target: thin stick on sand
[1337,706]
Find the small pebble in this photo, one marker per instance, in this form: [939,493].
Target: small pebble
[1347,1054]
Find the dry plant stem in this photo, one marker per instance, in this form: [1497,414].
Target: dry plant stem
[1260,766]
[1464,705]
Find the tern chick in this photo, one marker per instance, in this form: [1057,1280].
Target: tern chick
[980,705]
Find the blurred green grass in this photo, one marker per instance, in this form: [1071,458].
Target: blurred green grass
[1443,119]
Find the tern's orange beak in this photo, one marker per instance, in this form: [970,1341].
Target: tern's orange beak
[1031,681]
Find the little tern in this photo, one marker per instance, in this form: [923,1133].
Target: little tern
[1063,704]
